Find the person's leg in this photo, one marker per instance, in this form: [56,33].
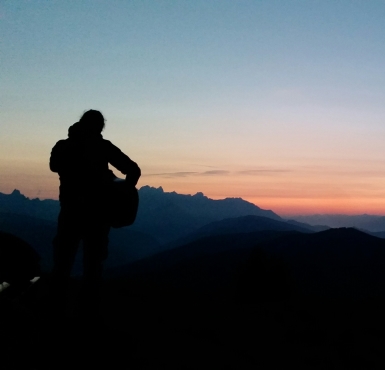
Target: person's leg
[95,251]
[65,246]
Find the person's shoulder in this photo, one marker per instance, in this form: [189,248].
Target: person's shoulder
[61,143]
[108,144]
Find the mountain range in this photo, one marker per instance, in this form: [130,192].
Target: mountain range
[371,223]
[265,266]
[206,271]
[163,219]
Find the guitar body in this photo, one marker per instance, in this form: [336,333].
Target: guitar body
[124,202]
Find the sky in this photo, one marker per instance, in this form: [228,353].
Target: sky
[279,102]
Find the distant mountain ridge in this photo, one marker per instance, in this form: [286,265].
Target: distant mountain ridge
[333,264]
[152,197]
[372,223]
[248,223]
[242,225]
[125,245]
[165,216]
[199,203]
[169,215]
[17,203]
[162,218]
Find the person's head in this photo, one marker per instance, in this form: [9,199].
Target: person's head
[93,121]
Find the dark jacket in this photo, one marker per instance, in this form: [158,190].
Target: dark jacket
[82,164]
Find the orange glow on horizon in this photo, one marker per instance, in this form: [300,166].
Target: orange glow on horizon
[283,193]
[290,207]
[290,204]
[284,207]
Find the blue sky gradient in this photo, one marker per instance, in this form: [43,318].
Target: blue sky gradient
[278,102]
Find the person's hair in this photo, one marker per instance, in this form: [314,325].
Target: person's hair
[93,120]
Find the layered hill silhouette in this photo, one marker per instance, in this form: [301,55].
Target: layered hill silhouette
[339,263]
[224,298]
[262,292]
[229,301]
[195,249]
[246,224]
[168,216]
[268,266]
[162,217]
[165,216]
[371,223]
[165,221]
[243,224]
[19,204]
[125,245]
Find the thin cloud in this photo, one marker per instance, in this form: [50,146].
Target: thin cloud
[204,165]
[215,172]
[186,174]
[171,174]
[263,171]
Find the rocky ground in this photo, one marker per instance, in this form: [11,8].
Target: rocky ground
[138,332]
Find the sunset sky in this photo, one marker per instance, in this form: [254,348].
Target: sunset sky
[280,102]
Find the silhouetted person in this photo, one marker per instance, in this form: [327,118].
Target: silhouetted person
[82,164]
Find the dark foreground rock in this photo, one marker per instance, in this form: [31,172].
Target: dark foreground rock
[138,331]
[258,301]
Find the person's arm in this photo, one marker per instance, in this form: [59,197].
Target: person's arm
[123,163]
